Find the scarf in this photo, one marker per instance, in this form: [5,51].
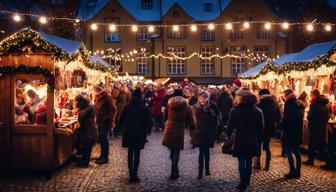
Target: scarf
[205,108]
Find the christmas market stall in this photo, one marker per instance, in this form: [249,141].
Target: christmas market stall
[312,68]
[39,76]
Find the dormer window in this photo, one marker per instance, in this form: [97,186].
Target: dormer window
[147,4]
[91,3]
[208,7]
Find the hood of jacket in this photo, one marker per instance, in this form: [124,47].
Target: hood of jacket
[248,100]
[177,103]
[267,99]
[322,100]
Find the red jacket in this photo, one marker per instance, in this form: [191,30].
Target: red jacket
[157,102]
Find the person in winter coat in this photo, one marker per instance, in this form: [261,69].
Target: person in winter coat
[206,114]
[105,118]
[292,125]
[247,124]
[178,116]
[318,117]
[272,116]
[87,132]
[157,107]
[136,123]
[121,102]
[225,104]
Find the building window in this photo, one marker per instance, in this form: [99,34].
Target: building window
[142,35]
[236,33]
[142,62]
[180,34]
[238,64]
[208,7]
[176,14]
[263,33]
[91,3]
[207,35]
[114,59]
[207,65]
[147,4]
[112,37]
[176,66]
[262,52]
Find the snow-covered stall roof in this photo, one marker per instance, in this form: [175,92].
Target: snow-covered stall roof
[97,59]
[287,58]
[67,45]
[254,70]
[313,52]
[195,9]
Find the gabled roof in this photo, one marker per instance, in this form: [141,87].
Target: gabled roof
[308,54]
[195,9]
[97,59]
[67,45]
[88,12]
[134,8]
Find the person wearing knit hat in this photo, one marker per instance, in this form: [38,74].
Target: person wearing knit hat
[98,89]
[237,84]
[207,116]
[264,92]
[243,92]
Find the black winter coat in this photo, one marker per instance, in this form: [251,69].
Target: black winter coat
[87,132]
[292,122]
[248,122]
[318,117]
[225,104]
[206,120]
[136,124]
[272,114]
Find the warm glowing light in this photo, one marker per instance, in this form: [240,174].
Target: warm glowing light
[267,26]
[43,20]
[193,28]
[310,27]
[112,27]
[285,25]
[211,26]
[134,28]
[176,28]
[246,25]
[328,27]
[228,26]
[17,18]
[151,29]
[94,26]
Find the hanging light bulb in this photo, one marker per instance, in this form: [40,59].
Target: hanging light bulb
[267,26]
[176,28]
[112,27]
[77,20]
[17,18]
[285,25]
[246,25]
[228,26]
[151,29]
[211,26]
[134,28]
[328,27]
[193,28]
[43,20]
[310,27]
[94,26]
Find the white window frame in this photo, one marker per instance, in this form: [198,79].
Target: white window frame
[236,33]
[180,34]
[114,63]
[142,64]
[176,66]
[112,36]
[143,34]
[238,65]
[262,49]
[263,33]
[147,4]
[207,65]
[207,35]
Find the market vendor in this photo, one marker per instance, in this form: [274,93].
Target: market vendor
[65,102]
[34,100]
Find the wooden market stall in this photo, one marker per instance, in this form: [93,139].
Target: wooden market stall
[34,135]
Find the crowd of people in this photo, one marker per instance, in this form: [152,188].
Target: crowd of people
[235,111]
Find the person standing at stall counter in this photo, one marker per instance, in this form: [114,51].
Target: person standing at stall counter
[105,119]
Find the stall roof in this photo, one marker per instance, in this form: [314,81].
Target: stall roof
[254,70]
[97,59]
[67,45]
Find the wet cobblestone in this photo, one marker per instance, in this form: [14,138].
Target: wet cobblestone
[155,168]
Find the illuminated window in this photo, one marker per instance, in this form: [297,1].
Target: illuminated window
[176,66]
[207,65]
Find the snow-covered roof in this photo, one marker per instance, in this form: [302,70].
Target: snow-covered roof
[308,54]
[254,70]
[97,59]
[88,11]
[194,8]
[67,45]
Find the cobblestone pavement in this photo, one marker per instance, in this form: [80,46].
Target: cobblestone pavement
[154,173]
